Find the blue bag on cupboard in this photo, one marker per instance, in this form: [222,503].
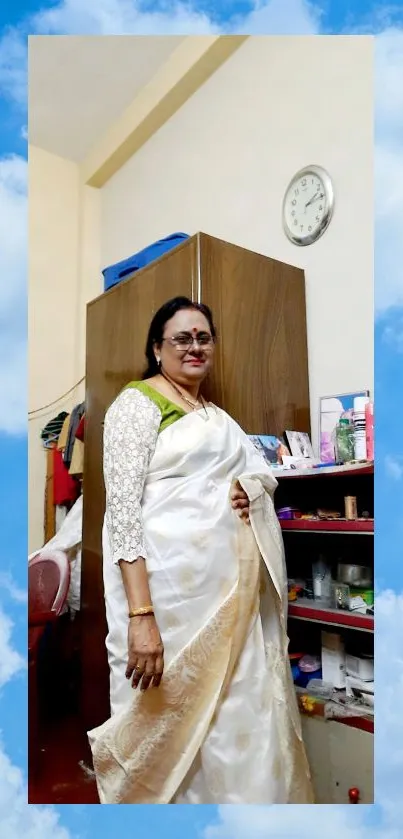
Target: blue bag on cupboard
[114,274]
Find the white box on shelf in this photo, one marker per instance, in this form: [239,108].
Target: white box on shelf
[333,659]
[360,666]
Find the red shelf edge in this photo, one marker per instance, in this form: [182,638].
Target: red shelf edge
[325,472]
[362,723]
[338,526]
[340,618]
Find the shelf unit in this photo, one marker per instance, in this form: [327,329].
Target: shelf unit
[309,489]
[339,747]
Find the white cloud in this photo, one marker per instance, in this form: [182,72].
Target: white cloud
[393,330]
[265,822]
[251,822]
[17,818]
[12,590]
[117,17]
[394,467]
[389,168]
[13,247]
[11,662]
[13,60]
[294,17]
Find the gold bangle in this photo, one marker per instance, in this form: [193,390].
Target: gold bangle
[145,610]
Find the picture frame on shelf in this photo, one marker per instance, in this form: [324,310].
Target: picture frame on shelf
[271,447]
[299,443]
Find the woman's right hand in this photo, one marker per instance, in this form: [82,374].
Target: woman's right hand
[145,652]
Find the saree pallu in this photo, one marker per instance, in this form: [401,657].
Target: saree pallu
[223,727]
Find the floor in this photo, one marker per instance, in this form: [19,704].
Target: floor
[59,755]
[62,774]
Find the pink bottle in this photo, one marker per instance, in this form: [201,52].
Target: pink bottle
[369,429]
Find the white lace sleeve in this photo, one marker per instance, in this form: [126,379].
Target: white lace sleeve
[130,436]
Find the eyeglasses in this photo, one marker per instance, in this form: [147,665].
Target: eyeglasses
[184,341]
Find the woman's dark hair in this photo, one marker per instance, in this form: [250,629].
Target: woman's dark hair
[157,325]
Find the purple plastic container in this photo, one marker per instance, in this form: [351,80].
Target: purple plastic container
[286,512]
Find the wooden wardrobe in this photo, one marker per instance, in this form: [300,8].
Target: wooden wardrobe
[260,378]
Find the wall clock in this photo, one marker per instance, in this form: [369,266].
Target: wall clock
[308,205]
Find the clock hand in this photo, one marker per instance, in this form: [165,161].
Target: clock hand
[315,198]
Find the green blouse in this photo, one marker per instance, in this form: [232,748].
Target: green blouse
[170,412]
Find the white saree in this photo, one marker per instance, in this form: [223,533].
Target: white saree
[223,727]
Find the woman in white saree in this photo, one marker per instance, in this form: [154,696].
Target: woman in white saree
[196,589]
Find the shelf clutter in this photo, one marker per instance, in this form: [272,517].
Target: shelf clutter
[336,709]
[323,509]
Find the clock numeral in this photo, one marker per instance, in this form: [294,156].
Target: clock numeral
[293,212]
[293,202]
[303,182]
[321,208]
[310,228]
[317,218]
[296,191]
[302,226]
[296,221]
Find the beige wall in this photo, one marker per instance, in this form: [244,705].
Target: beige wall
[63,275]
[221,165]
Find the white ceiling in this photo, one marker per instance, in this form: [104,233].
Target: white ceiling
[79,85]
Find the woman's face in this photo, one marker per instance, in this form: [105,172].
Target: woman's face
[181,359]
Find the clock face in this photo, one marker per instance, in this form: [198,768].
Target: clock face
[308,205]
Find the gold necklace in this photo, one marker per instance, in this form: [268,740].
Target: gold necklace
[194,405]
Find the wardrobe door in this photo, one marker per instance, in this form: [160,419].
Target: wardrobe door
[117,327]
[260,374]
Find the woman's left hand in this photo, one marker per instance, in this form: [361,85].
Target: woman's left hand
[239,501]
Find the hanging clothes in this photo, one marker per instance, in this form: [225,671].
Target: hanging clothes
[62,441]
[49,512]
[53,428]
[65,488]
[77,460]
[75,418]
[81,429]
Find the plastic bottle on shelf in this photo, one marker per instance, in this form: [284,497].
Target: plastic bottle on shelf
[345,441]
[360,443]
[369,429]
[322,581]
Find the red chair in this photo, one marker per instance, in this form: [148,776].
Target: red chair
[48,587]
